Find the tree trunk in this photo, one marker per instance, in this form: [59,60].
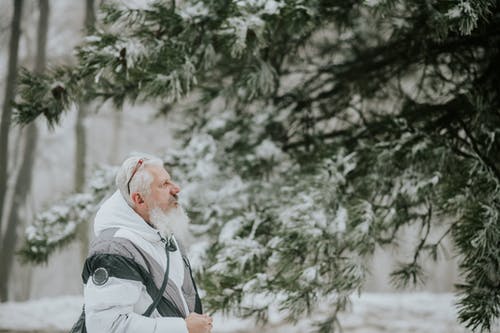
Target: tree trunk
[114,154]
[81,148]
[18,212]
[89,15]
[80,142]
[80,154]
[24,177]
[7,107]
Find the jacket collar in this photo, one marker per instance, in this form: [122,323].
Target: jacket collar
[116,213]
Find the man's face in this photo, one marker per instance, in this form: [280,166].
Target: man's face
[164,192]
[164,212]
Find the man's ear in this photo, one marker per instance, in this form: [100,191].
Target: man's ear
[137,198]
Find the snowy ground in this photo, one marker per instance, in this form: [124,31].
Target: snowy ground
[371,313]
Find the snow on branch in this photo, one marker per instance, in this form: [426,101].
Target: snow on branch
[56,226]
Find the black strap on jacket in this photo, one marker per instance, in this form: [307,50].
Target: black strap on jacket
[150,309]
[79,326]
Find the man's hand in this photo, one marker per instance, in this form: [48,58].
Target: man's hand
[197,323]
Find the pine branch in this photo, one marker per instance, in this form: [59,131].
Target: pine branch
[484,159]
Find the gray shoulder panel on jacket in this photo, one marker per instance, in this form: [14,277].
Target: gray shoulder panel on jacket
[108,243]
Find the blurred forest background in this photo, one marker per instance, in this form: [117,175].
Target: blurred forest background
[59,161]
[111,134]
[363,133]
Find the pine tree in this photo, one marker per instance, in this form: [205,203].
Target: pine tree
[316,131]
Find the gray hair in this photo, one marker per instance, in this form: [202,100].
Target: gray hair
[142,179]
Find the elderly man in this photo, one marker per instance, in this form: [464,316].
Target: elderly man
[135,255]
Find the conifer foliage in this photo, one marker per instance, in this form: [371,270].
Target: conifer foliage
[317,131]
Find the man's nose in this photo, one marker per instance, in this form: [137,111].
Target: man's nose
[174,189]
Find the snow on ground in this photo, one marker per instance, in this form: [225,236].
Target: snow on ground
[370,313]
[47,314]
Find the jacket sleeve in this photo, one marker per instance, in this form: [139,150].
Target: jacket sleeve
[110,308]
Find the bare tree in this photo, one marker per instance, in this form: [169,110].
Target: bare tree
[81,138]
[24,176]
[7,106]
[114,153]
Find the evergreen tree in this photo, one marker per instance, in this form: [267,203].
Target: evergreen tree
[316,131]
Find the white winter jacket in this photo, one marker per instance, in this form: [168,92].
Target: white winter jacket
[124,271]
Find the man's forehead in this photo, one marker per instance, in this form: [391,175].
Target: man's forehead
[159,172]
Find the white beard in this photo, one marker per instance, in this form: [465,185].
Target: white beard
[174,222]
